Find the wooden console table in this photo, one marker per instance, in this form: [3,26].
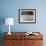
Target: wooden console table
[20,39]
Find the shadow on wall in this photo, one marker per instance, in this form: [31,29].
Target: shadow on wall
[2,21]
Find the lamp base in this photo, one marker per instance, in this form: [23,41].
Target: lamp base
[9,33]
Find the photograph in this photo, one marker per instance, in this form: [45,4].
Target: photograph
[27,15]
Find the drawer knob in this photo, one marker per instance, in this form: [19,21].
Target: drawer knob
[33,42]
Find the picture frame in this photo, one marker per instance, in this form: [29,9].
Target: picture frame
[27,16]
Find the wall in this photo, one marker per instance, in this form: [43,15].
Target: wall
[9,8]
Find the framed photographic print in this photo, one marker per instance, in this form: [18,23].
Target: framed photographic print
[27,15]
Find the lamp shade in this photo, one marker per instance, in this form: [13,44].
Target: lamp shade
[9,21]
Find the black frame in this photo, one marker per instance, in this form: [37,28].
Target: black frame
[20,10]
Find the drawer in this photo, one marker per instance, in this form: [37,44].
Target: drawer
[13,43]
[9,43]
[33,43]
[16,37]
[34,37]
[37,43]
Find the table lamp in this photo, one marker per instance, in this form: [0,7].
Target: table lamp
[9,21]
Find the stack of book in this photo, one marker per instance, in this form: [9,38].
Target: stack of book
[30,33]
